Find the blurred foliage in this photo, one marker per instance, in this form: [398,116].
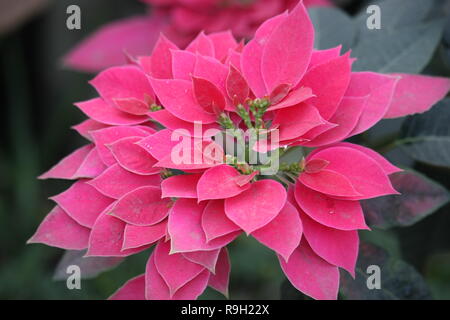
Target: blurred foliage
[36,95]
[399,280]
[15,12]
[419,197]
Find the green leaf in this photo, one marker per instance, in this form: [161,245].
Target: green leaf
[90,267]
[399,280]
[289,292]
[397,13]
[420,197]
[405,43]
[293,155]
[333,27]
[426,137]
[406,49]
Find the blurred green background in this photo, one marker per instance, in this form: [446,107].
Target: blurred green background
[36,97]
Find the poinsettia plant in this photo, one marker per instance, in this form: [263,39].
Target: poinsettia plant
[138,184]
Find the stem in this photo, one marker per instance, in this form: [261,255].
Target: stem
[283,180]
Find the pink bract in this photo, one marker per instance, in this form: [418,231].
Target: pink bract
[130,193]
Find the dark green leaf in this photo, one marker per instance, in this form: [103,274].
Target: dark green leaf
[420,196]
[406,49]
[289,292]
[399,280]
[333,27]
[90,266]
[294,154]
[426,137]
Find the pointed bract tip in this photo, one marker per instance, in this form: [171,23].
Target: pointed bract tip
[31,240]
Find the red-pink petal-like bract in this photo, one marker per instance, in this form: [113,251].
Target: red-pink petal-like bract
[138,184]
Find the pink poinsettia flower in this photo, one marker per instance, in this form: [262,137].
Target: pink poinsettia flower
[179,21]
[131,191]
